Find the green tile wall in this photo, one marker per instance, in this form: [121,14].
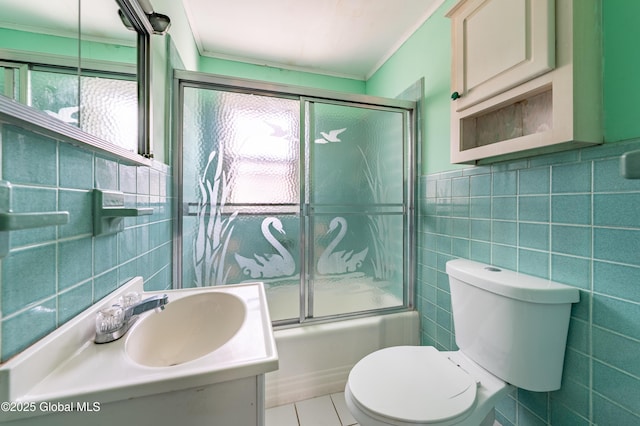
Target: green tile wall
[52,274]
[569,217]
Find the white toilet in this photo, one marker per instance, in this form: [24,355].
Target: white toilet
[511,329]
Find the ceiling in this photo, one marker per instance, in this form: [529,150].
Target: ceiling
[346,38]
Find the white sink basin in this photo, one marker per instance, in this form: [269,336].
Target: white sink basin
[187,329]
[207,344]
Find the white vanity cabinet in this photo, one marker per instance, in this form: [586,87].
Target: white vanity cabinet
[526,77]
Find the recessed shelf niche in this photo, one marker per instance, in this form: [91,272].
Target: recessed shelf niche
[533,114]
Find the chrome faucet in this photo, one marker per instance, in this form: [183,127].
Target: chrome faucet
[112,323]
[148,304]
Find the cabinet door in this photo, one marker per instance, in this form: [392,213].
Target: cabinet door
[498,44]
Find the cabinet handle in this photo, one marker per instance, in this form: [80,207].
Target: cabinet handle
[455,95]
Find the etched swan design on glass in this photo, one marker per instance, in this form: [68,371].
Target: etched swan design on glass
[331,136]
[269,265]
[339,262]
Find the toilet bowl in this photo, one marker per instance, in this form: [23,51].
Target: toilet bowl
[418,385]
[511,331]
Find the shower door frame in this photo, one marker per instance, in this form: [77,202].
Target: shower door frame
[182,79]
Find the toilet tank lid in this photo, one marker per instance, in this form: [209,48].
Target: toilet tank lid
[511,284]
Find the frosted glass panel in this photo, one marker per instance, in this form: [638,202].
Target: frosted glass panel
[266,248]
[356,155]
[110,110]
[356,166]
[252,248]
[109,106]
[255,138]
[359,263]
[241,190]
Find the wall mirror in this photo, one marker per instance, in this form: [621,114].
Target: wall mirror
[83,62]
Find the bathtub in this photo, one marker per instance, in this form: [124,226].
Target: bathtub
[316,359]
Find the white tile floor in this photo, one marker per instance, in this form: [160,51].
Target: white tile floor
[328,410]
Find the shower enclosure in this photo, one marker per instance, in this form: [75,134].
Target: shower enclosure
[309,191]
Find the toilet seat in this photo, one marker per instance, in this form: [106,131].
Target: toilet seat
[412,385]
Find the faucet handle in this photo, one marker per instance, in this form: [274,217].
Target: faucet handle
[110,319]
[130,299]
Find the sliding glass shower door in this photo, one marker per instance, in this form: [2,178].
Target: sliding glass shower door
[311,196]
[355,197]
[241,191]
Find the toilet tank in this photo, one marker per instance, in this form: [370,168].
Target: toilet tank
[513,325]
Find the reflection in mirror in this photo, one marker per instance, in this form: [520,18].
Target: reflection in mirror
[31,29]
[108,100]
[83,73]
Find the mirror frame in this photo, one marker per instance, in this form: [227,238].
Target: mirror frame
[138,18]
[36,121]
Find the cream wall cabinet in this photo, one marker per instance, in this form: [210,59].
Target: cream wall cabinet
[498,44]
[526,77]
